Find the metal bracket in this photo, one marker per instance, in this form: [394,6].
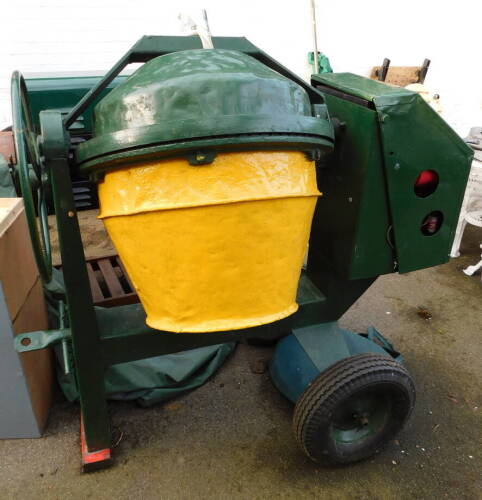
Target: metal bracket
[201,157]
[33,341]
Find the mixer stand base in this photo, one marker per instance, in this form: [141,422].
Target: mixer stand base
[93,460]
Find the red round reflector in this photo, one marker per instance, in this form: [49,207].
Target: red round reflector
[426,183]
[432,223]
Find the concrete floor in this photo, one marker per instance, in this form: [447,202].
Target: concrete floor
[232,438]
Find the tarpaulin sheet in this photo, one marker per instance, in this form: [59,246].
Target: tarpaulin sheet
[153,380]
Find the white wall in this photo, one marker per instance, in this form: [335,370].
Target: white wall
[90,35]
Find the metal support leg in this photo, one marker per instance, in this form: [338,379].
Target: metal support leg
[92,460]
[88,359]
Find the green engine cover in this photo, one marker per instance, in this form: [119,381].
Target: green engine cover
[195,99]
[371,220]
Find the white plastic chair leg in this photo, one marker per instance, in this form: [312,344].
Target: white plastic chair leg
[470,270]
[459,233]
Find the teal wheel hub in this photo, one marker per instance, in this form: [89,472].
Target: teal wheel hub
[362,416]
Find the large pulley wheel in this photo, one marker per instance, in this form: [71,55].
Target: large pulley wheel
[32,176]
[351,410]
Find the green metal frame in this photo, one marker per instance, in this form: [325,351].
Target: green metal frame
[102,337]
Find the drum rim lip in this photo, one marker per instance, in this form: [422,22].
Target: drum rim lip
[96,166]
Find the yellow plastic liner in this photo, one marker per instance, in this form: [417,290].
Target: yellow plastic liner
[213,247]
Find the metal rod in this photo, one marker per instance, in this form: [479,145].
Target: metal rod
[315,41]
[65,347]
[206,22]
[95,91]
[205,33]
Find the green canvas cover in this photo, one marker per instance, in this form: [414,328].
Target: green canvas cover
[153,380]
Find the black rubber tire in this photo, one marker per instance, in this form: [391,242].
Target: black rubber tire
[324,398]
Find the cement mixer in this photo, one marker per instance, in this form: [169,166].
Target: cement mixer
[245,204]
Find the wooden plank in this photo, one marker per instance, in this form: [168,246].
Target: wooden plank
[401,76]
[111,279]
[122,300]
[121,265]
[97,294]
[9,210]
[107,269]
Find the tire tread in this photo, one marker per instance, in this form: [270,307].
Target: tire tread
[334,383]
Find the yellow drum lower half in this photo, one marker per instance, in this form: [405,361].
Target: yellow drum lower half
[217,267]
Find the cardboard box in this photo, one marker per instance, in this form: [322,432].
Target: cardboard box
[7,147]
[18,270]
[26,380]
